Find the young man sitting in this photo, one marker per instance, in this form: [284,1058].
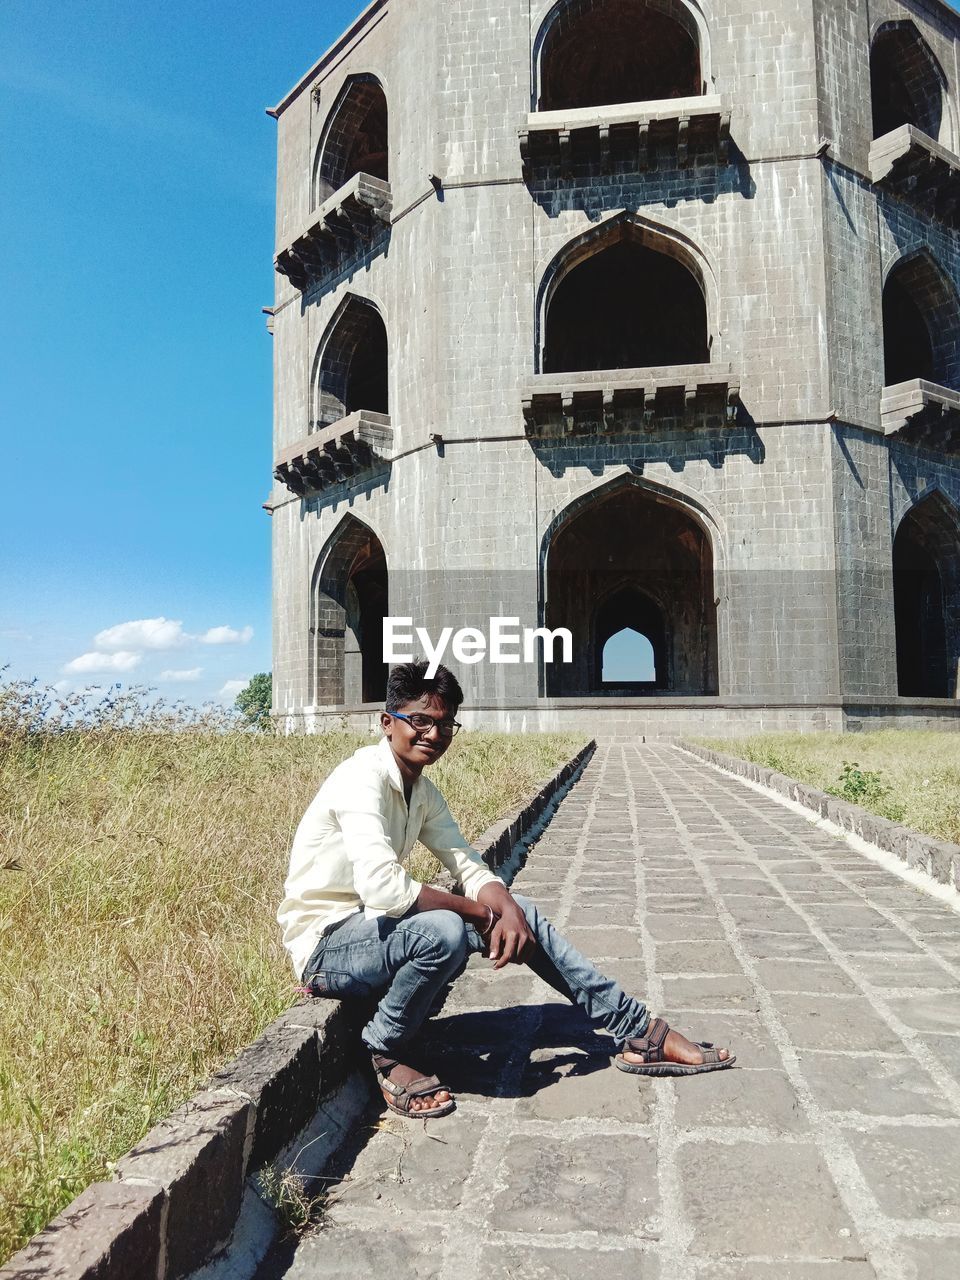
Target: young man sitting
[356,923]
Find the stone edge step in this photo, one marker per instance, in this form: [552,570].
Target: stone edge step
[176,1197]
[939,859]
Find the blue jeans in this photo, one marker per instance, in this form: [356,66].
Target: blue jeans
[413,958]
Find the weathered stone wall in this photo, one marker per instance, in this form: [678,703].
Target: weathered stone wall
[796,497]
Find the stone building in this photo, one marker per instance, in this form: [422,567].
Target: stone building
[625,315]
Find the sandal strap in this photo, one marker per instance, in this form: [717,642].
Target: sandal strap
[650,1046]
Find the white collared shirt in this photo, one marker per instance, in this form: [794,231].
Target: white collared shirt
[349,846]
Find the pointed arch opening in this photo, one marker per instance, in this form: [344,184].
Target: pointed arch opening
[354,138]
[629,558]
[352,366]
[594,53]
[631,641]
[349,603]
[921,323]
[926,598]
[626,299]
[907,84]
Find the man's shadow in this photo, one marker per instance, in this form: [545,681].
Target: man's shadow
[471,1052]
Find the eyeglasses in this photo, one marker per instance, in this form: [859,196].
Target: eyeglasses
[424,723]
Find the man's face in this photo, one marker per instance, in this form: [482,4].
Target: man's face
[415,748]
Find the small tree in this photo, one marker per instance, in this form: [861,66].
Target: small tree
[253,702]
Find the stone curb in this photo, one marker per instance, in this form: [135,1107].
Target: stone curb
[937,858]
[177,1194]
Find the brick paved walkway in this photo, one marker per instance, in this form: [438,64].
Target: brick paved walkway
[831,1152]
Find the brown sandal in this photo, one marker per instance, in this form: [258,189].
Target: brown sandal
[650,1048]
[403,1094]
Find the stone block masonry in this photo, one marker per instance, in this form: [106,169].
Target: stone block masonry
[790,490]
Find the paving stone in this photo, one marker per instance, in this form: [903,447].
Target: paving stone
[852,914]
[685,904]
[939,1012]
[705,957]
[476,991]
[792,1270]
[507,1263]
[946,1050]
[567,1084]
[932,921]
[929,1259]
[611,913]
[763,946]
[735,886]
[765,913]
[794,1207]
[875,1086]
[736,1099]
[887,941]
[728,992]
[553,1185]
[670,928]
[419,1163]
[835,1022]
[902,971]
[615,943]
[789,975]
[913,1172]
[339,1250]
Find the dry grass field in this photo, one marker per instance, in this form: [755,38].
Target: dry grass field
[905,775]
[139,876]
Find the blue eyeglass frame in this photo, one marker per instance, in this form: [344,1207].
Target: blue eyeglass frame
[455,725]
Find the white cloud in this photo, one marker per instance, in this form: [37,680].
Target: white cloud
[232,688]
[88,663]
[180,677]
[146,633]
[61,686]
[226,635]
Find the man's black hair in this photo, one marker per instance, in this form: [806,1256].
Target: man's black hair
[408,683]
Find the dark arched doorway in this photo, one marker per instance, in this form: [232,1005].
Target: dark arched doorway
[354,139]
[906,83]
[597,52]
[926,598]
[352,364]
[350,601]
[626,306]
[921,320]
[629,557]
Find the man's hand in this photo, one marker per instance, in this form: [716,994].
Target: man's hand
[510,938]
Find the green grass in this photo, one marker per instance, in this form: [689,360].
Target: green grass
[139,879]
[908,776]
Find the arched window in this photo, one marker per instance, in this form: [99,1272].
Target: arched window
[354,138]
[926,595]
[596,52]
[352,363]
[626,558]
[921,323]
[626,306]
[906,81]
[631,640]
[348,607]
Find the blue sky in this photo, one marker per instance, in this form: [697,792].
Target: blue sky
[136,225]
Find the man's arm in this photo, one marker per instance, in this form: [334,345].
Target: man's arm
[510,939]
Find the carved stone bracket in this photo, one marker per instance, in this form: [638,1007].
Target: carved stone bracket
[336,452]
[923,413]
[349,220]
[630,400]
[911,165]
[678,129]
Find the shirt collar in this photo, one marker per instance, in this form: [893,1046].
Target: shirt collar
[392,769]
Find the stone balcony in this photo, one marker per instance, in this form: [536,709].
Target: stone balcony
[923,413]
[612,401]
[674,129]
[345,448]
[911,165]
[348,220]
